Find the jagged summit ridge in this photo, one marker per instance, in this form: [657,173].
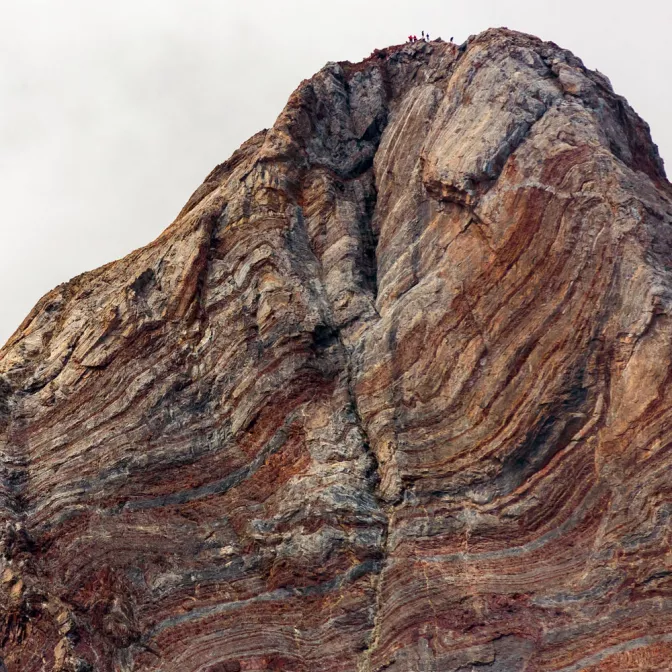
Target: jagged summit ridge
[391,393]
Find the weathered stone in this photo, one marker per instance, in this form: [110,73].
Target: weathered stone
[391,393]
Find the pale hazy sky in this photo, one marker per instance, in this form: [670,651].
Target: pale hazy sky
[112,112]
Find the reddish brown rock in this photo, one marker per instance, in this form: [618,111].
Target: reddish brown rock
[391,393]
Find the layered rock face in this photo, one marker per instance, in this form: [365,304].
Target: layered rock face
[391,393]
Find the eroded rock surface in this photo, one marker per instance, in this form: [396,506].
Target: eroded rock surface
[391,393]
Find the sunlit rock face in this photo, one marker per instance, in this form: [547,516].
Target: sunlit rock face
[391,393]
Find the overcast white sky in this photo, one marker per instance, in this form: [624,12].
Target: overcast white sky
[112,112]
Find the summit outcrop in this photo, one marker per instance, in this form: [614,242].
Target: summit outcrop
[391,393]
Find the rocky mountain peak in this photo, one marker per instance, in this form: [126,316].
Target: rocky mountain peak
[391,393]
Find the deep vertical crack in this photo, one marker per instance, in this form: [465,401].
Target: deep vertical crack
[364,664]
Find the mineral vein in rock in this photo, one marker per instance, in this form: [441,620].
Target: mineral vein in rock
[391,393]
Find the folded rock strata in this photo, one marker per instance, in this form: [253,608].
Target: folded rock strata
[391,393]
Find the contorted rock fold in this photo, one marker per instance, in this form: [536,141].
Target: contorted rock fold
[391,393]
